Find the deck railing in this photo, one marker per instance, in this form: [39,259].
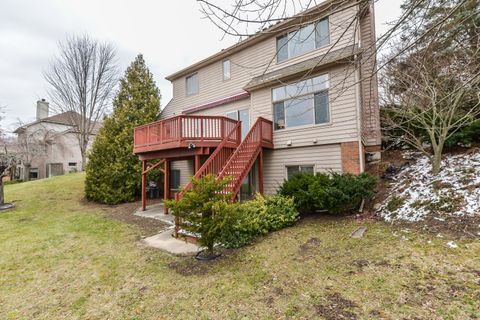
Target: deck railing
[185,128]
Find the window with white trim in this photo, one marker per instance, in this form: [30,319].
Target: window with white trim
[226,69]
[292,170]
[305,39]
[301,103]
[192,84]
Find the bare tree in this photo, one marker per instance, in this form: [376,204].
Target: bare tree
[430,100]
[82,78]
[7,164]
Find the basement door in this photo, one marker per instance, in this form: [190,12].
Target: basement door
[244,117]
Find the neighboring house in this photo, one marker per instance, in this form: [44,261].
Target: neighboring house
[49,146]
[305,91]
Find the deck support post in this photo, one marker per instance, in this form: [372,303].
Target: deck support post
[144,185]
[197,164]
[166,184]
[260,171]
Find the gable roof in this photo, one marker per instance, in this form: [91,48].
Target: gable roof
[69,118]
[315,13]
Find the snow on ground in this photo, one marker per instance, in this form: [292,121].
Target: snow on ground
[418,195]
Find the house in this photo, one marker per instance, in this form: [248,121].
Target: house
[49,146]
[300,96]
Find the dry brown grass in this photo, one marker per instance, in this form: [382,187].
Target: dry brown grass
[64,259]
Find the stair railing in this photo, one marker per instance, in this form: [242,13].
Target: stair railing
[251,145]
[217,159]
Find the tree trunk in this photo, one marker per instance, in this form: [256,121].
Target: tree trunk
[84,160]
[26,174]
[2,197]
[437,159]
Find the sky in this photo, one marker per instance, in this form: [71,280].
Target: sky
[170,34]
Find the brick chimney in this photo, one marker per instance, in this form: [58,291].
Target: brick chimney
[42,109]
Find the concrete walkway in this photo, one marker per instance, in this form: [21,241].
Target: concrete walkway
[156,211]
[166,242]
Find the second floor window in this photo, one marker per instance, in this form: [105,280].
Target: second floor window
[301,103]
[226,69]
[192,84]
[305,39]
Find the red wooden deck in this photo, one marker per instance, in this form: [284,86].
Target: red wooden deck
[185,130]
[218,137]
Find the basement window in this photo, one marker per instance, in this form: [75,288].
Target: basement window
[292,170]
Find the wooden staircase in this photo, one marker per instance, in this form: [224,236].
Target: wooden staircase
[236,163]
[242,160]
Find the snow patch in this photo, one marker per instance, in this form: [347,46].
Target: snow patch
[452,245]
[417,194]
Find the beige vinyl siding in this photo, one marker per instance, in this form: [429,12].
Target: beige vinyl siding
[186,170]
[222,110]
[323,158]
[343,113]
[250,62]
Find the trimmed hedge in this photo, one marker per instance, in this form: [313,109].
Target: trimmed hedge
[333,192]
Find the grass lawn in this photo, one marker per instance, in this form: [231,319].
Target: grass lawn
[62,258]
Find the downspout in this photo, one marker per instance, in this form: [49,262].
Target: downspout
[361,154]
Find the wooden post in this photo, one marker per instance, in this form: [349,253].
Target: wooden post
[144,186]
[177,220]
[197,163]
[260,171]
[166,184]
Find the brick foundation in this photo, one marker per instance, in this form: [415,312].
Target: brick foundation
[351,157]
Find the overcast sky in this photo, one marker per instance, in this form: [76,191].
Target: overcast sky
[170,34]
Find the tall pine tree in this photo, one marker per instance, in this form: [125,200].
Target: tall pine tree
[113,171]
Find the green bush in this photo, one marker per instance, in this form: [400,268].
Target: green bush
[204,210]
[259,216]
[465,136]
[333,192]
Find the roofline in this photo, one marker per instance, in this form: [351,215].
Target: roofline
[218,102]
[254,39]
[25,126]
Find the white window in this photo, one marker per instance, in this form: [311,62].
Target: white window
[292,170]
[305,39]
[301,103]
[226,69]
[192,84]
